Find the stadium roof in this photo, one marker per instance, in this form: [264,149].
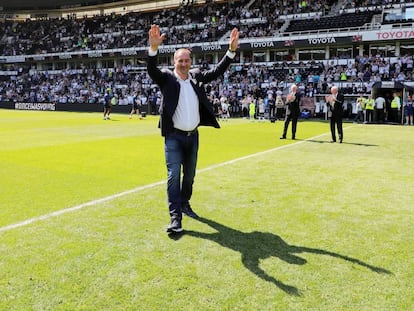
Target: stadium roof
[10,5]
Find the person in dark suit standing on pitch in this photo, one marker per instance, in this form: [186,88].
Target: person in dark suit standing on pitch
[335,105]
[184,108]
[293,100]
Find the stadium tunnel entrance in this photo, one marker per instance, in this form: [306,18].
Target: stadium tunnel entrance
[383,88]
[387,89]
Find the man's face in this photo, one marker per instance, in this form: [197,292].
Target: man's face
[182,62]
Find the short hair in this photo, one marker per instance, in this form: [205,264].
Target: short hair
[182,49]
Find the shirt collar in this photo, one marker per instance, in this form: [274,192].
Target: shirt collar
[178,77]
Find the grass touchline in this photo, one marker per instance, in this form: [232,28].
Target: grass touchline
[138,189]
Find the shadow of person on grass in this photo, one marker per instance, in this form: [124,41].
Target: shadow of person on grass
[255,246]
[344,143]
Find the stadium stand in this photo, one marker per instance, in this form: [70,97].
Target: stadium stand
[73,60]
[347,20]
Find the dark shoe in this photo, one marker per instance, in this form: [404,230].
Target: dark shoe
[187,210]
[293,138]
[333,141]
[340,141]
[174,225]
[283,137]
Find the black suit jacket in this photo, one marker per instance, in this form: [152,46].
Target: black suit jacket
[170,88]
[337,109]
[293,107]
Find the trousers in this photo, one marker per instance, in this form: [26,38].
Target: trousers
[294,120]
[338,122]
[181,151]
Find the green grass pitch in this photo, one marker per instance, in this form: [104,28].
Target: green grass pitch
[286,225]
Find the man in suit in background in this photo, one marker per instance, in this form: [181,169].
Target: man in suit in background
[184,108]
[292,110]
[335,105]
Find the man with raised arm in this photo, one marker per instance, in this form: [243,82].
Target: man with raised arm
[184,108]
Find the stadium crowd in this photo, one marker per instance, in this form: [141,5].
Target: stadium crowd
[183,24]
[241,80]
[88,86]
[129,30]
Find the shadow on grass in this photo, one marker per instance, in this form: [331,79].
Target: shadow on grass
[343,143]
[255,246]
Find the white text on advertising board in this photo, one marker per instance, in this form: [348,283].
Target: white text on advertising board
[35,106]
[166,50]
[322,40]
[268,44]
[212,47]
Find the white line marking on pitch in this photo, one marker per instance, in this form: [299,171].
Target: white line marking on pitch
[139,189]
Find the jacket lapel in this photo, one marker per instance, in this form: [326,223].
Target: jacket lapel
[194,84]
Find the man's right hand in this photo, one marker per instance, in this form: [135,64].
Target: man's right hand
[155,38]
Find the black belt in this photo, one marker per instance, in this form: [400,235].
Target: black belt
[186,133]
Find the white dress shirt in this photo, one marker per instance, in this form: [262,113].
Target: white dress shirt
[187,115]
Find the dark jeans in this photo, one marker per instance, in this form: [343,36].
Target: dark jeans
[280,112]
[272,111]
[394,115]
[369,115]
[359,116]
[180,152]
[294,120]
[380,115]
[338,122]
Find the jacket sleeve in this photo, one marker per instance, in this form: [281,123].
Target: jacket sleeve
[154,72]
[217,71]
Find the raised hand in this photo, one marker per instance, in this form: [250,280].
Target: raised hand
[234,40]
[155,38]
